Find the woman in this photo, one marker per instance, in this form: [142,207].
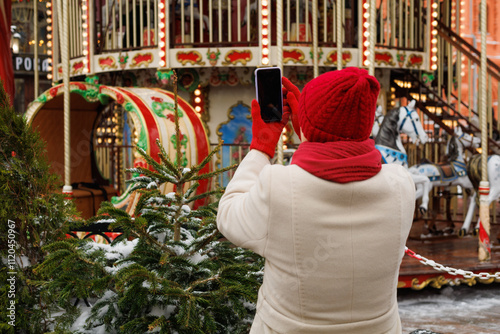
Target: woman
[333,224]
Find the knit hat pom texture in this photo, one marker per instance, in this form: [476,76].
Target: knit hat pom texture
[339,105]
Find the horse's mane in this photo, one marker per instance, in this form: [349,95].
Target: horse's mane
[452,148]
[388,131]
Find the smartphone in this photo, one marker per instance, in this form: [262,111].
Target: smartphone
[269,93]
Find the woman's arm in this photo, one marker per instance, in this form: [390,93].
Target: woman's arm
[244,208]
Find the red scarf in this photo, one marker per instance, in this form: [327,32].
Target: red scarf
[339,161]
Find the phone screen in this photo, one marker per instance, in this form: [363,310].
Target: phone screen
[269,93]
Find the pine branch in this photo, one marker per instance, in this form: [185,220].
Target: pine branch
[191,190]
[176,122]
[201,244]
[155,242]
[207,159]
[165,158]
[214,173]
[159,322]
[202,281]
[157,166]
[148,176]
[4,98]
[205,195]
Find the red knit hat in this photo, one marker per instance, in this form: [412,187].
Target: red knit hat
[339,105]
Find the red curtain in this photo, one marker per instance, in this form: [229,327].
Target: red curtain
[6,68]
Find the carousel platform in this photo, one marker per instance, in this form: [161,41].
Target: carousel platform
[445,248]
[450,250]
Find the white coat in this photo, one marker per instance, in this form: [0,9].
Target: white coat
[332,250]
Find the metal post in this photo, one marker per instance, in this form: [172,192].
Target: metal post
[373,32]
[339,34]
[315,37]
[484,252]
[279,61]
[64,5]
[35,51]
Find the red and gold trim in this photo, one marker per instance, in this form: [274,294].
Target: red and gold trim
[264,32]
[202,144]
[461,26]
[149,120]
[437,281]
[384,58]
[332,58]
[192,57]
[142,59]
[108,62]
[49,12]
[484,237]
[415,60]
[86,36]
[162,8]
[294,55]
[235,56]
[365,32]
[78,67]
[433,47]
[453,16]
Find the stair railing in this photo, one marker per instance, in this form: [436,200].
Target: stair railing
[457,82]
[448,110]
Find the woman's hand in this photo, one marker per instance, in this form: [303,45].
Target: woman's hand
[265,136]
[291,96]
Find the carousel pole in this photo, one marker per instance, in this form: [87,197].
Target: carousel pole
[373,31]
[339,35]
[35,50]
[315,37]
[279,45]
[484,252]
[67,189]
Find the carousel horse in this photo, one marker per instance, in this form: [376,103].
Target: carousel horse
[474,171]
[388,142]
[453,173]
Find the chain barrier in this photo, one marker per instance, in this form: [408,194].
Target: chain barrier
[450,270]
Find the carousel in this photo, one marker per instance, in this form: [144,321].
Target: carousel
[109,124]
[107,127]
[437,116]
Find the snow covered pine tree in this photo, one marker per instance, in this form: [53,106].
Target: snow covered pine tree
[33,213]
[169,272]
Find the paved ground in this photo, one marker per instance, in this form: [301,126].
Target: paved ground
[451,310]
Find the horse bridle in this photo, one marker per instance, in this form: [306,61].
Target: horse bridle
[377,120]
[413,121]
[461,139]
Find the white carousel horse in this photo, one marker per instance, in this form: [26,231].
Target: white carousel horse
[388,142]
[379,118]
[454,173]
[474,171]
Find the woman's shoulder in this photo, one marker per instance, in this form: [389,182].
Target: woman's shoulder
[398,172]
[394,168]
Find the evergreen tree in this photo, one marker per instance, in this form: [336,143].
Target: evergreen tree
[170,271]
[33,213]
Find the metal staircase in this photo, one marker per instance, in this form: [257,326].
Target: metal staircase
[449,96]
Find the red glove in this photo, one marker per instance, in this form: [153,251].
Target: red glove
[291,102]
[265,136]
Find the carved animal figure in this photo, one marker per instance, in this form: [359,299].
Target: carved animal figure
[453,173]
[388,141]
